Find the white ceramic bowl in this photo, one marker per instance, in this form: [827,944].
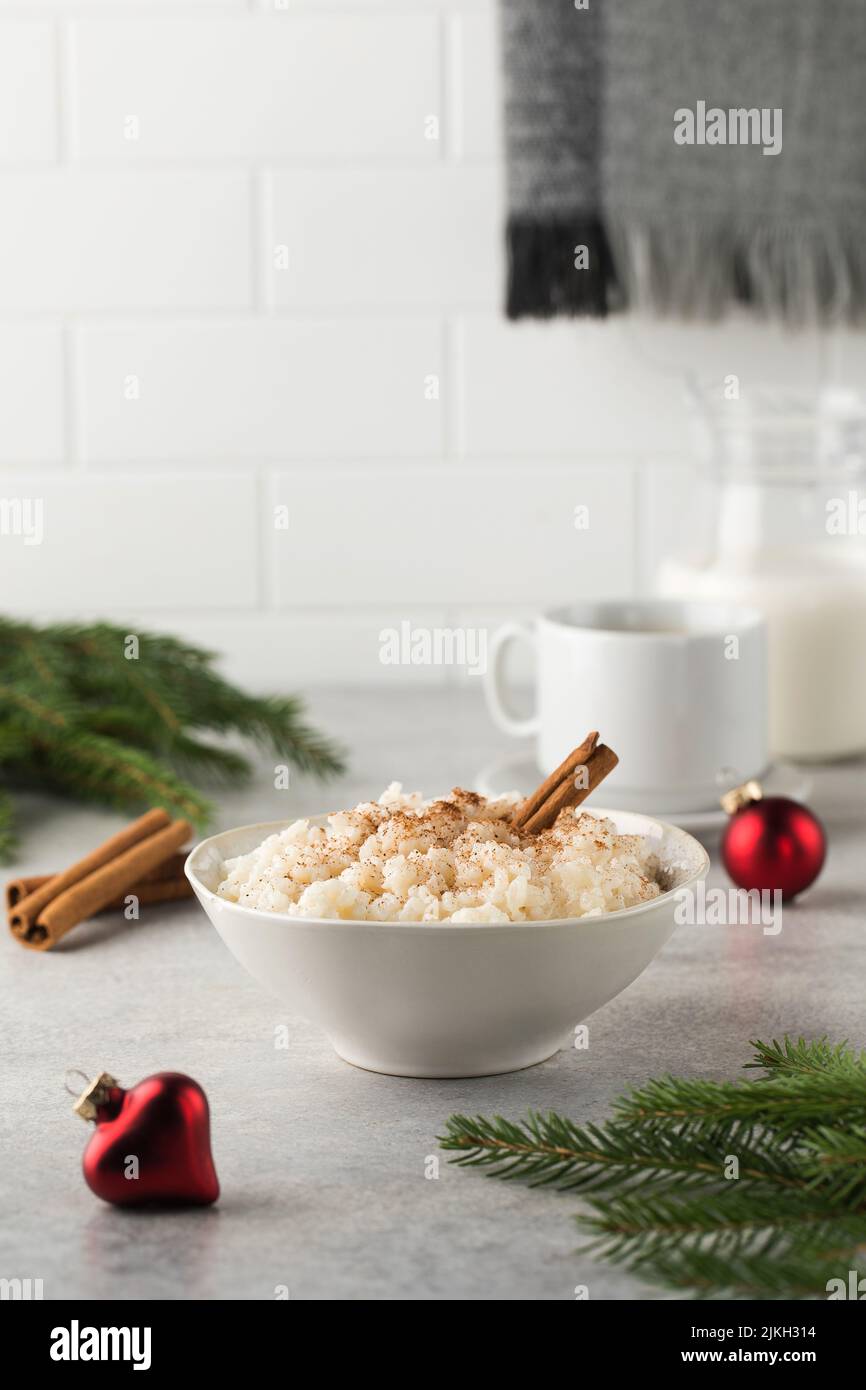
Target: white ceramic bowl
[438,1000]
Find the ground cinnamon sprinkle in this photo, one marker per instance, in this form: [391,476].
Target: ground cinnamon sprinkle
[455,859]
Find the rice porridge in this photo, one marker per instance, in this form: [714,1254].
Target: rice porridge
[456,859]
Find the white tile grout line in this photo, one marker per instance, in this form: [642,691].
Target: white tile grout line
[268,569]
[67,105]
[71,395]
[427,613]
[143,9]
[261,225]
[264,162]
[457,440]
[60,114]
[136,316]
[447,381]
[373,7]
[447,131]
[219,9]
[452,79]
[264,545]
[397,465]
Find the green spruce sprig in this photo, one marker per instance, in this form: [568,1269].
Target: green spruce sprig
[748,1188]
[131,720]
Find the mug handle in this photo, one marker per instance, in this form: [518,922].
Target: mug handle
[494,683]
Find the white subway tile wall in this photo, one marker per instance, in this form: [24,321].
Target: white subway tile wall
[473,57]
[32,422]
[362,238]
[73,240]
[123,542]
[256,87]
[28,82]
[243,389]
[451,529]
[253,365]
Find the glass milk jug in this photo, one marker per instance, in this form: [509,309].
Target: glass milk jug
[780,524]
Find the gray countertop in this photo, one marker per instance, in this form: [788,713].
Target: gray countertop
[322,1166]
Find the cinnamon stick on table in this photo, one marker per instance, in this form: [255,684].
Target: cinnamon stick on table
[565,787]
[44,917]
[29,908]
[171,870]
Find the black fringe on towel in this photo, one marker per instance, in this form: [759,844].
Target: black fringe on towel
[542,278]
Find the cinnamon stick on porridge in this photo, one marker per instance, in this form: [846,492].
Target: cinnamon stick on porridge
[460,859]
[570,784]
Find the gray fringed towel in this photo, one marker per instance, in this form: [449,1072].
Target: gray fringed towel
[602,105]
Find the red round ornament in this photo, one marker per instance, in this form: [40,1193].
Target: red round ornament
[771,842]
[151,1143]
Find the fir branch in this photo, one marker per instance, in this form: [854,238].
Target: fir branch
[98,766]
[805,1058]
[277,724]
[753,1188]
[11,743]
[91,768]
[86,712]
[8,838]
[549,1150]
[107,663]
[786,1275]
[787,1100]
[208,763]
[176,688]
[636,1227]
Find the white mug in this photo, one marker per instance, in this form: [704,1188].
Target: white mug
[677,690]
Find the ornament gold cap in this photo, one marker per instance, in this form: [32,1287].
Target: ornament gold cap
[95,1095]
[738,797]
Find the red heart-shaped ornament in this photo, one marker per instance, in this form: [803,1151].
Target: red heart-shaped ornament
[151,1143]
